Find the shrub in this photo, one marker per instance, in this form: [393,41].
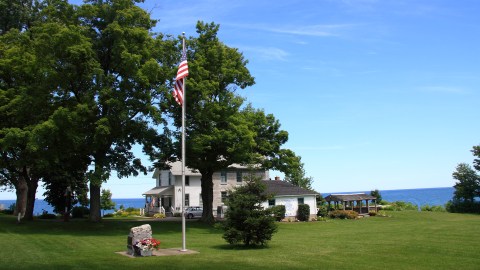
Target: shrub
[433,208]
[461,206]
[246,221]
[8,211]
[278,212]
[400,206]
[159,215]
[46,215]
[80,211]
[322,211]
[343,214]
[303,213]
[109,215]
[132,210]
[372,213]
[127,212]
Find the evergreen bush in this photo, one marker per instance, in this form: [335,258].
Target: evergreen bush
[462,206]
[303,213]
[322,211]
[278,212]
[246,221]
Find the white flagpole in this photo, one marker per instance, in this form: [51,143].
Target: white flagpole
[184,244]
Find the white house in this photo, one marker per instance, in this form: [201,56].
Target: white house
[166,196]
[291,196]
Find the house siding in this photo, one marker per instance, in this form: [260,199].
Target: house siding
[291,204]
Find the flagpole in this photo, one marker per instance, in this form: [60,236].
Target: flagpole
[184,242]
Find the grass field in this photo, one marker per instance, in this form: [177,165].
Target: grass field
[406,240]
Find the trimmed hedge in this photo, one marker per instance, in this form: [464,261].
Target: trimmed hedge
[303,213]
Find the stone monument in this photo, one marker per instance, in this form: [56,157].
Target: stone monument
[137,234]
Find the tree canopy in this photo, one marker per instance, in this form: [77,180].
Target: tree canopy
[78,88]
[221,128]
[81,85]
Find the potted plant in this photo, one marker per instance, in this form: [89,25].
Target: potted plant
[146,246]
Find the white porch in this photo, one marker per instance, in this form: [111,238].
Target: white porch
[159,200]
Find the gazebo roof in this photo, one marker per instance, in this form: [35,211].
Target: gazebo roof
[349,197]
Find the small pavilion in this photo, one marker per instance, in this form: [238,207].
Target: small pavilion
[352,202]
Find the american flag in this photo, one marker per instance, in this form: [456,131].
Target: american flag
[181,73]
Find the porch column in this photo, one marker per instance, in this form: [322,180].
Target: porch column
[368,209]
[344,202]
[375,201]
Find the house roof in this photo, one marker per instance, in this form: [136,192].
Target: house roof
[283,188]
[160,191]
[176,169]
[349,197]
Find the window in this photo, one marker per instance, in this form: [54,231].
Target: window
[187,199]
[187,180]
[271,202]
[224,196]
[239,176]
[169,178]
[200,200]
[300,201]
[223,177]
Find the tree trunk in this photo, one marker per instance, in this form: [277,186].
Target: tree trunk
[32,190]
[207,197]
[21,190]
[95,202]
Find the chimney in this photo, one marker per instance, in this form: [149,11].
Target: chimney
[277,178]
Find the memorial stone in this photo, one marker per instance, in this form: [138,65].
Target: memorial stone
[137,234]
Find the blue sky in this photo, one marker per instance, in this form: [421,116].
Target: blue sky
[374,94]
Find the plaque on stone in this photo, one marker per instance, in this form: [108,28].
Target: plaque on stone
[137,234]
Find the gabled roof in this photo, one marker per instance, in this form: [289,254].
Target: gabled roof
[176,169]
[283,188]
[160,191]
[349,197]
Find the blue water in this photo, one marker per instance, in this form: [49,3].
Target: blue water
[420,197]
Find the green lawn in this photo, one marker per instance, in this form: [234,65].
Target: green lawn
[406,240]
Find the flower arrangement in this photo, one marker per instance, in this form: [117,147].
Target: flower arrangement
[148,244]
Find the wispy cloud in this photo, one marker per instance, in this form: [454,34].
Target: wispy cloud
[267,53]
[316,30]
[443,89]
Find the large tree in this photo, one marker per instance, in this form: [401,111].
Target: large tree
[77,90]
[45,68]
[23,104]
[221,129]
[124,100]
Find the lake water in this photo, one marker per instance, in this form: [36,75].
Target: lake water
[420,197]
